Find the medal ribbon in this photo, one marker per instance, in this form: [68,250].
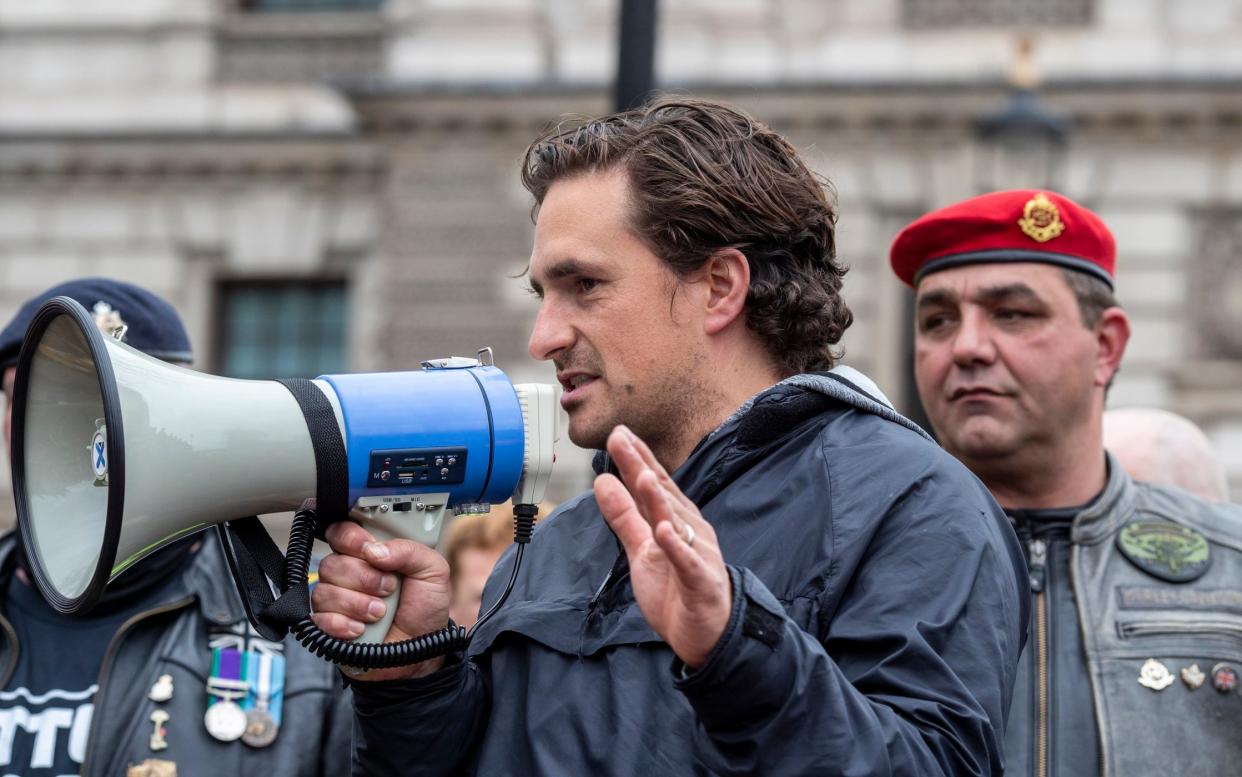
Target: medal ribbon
[277,694]
[226,675]
[263,694]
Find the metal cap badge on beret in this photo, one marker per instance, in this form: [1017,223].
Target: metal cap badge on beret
[152,325]
[1025,225]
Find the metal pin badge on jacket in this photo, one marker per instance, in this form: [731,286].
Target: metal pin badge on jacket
[1193,676]
[162,691]
[152,767]
[1155,675]
[1224,678]
[158,742]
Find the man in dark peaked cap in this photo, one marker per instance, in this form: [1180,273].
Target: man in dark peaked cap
[1135,645]
[123,690]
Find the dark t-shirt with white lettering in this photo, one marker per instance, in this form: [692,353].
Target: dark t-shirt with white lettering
[46,708]
[47,705]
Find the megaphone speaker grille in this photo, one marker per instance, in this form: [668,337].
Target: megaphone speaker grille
[68,481]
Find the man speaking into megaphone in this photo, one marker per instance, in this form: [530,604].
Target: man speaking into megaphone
[123,690]
[776,573]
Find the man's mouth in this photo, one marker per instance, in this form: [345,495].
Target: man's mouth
[975,392]
[573,384]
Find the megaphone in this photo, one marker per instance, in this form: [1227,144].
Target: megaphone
[117,454]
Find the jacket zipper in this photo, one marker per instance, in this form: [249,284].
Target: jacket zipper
[1101,729]
[1128,629]
[106,666]
[1039,576]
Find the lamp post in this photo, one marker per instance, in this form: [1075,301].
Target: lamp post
[1022,145]
[635,54]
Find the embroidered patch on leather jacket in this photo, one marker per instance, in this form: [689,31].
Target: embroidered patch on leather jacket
[1154,598]
[1165,550]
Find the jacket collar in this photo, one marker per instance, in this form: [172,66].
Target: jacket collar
[841,384]
[844,384]
[211,581]
[1101,519]
[207,579]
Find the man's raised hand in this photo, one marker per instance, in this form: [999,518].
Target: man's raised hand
[679,577]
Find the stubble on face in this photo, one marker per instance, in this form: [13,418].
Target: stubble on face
[664,411]
[1006,379]
[624,331]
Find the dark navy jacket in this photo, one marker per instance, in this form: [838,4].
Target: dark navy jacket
[879,610]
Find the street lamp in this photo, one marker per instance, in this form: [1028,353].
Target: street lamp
[1021,145]
[635,54]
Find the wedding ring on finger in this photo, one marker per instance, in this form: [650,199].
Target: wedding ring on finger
[688,537]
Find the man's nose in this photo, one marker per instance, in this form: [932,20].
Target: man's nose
[972,343]
[551,335]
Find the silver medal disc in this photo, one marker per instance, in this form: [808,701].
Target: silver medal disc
[225,721]
[261,728]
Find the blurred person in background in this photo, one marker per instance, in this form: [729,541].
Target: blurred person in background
[123,689]
[472,546]
[1132,663]
[1165,448]
[775,573]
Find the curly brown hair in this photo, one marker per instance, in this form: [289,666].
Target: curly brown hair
[704,177]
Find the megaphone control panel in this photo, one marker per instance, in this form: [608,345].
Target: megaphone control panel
[417,467]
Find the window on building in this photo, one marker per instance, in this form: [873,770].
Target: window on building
[282,329]
[1216,284]
[310,5]
[301,40]
[931,14]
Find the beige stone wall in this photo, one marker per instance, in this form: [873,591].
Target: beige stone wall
[178,216]
[128,148]
[764,42]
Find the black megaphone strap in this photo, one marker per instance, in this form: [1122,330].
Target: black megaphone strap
[254,558]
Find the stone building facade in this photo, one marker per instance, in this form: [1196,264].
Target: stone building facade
[368,151]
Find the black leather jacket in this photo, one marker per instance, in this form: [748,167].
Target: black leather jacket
[171,637]
[1078,707]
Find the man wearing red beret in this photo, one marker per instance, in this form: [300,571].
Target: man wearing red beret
[1136,630]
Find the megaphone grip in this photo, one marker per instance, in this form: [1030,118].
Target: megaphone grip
[359,655]
[385,655]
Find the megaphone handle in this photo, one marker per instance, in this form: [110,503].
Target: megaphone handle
[422,525]
[375,632]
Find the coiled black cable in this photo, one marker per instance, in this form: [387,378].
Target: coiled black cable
[376,655]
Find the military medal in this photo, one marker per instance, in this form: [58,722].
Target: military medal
[1193,676]
[162,691]
[224,719]
[261,725]
[1224,678]
[1155,675]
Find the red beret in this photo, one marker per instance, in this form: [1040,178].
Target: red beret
[1025,225]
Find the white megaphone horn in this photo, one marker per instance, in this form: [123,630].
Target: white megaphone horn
[116,453]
